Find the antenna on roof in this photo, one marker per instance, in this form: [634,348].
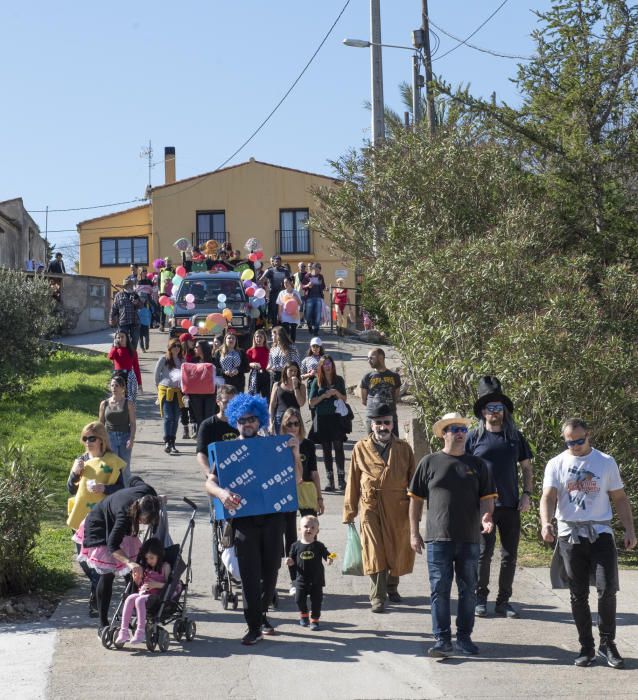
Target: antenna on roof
[147,152]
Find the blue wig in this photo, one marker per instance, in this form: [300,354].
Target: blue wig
[247,405]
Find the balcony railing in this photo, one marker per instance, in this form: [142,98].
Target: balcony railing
[290,241]
[201,237]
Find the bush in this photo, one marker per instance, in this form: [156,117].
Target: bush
[29,314]
[23,500]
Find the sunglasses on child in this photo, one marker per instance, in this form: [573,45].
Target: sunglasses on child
[456,429]
[90,438]
[573,443]
[247,419]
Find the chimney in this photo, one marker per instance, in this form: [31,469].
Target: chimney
[169,165]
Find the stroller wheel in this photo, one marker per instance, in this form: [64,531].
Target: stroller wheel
[107,638]
[151,637]
[275,601]
[179,629]
[163,639]
[225,600]
[191,630]
[235,601]
[217,591]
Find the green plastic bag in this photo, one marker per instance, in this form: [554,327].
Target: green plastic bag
[352,559]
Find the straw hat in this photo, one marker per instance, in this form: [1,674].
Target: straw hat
[449,419]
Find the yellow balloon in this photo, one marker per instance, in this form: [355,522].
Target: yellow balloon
[247,275]
[227,314]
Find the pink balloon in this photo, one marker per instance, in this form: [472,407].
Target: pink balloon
[291,307]
[165,301]
[190,298]
[181,271]
[259,254]
[193,330]
[150,276]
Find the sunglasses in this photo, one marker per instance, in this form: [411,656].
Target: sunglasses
[292,424]
[382,422]
[494,407]
[456,429]
[90,438]
[573,443]
[247,419]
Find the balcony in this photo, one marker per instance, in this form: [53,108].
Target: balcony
[293,241]
[200,238]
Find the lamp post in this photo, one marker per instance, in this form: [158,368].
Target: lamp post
[417,78]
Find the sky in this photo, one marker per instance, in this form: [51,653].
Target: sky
[87,85]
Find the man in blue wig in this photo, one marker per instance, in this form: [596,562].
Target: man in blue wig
[258,538]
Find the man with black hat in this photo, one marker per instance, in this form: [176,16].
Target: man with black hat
[124,312]
[380,470]
[275,274]
[460,494]
[502,447]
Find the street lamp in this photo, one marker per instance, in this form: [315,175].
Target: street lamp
[417,78]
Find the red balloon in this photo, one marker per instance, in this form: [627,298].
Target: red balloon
[253,257]
[259,254]
[181,271]
[185,324]
[250,292]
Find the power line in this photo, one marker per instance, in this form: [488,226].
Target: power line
[467,38]
[95,206]
[272,112]
[478,48]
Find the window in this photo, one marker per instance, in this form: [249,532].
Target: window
[211,225]
[294,235]
[123,251]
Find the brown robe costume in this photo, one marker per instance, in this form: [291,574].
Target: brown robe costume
[378,494]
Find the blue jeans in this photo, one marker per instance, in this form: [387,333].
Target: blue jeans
[312,313]
[444,560]
[171,412]
[118,446]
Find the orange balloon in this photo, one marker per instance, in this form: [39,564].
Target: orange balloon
[227,314]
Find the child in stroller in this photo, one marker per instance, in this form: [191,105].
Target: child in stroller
[166,607]
[156,574]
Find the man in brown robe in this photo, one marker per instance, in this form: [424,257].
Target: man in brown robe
[381,469]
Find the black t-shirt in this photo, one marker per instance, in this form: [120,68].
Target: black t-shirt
[453,487]
[276,277]
[381,388]
[308,559]
[214,430]
[502,457]
[308,459]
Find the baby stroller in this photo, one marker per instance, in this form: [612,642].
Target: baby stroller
[167,607]
[223,587]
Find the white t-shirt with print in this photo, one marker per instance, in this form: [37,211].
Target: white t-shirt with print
[583,485]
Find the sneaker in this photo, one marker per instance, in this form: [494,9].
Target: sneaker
[123,636]
[506,610]
[378,607]
[441,649]
[609,652]
[252,637]
[292,591]
[303,621]
[329,488]
[314,625]
[266,627]
[464,645]
[586,657]
[174,449]
[481,607]
[167,447]
[139,637]
[395,597]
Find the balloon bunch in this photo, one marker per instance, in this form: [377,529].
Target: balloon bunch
[255,293]
[168,302]
[255,252]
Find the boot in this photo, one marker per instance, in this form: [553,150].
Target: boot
[331,484]
[167,445]
[174,449]
[342,481]
[186,434]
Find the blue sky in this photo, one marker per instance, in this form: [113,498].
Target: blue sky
[86,85]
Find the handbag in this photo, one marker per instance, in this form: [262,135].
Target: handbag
[353,557]
[198,378]
[346,421]
[307,496]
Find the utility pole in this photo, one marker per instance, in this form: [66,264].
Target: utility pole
[46,224]
[428,65]
[378,120]
[416,89]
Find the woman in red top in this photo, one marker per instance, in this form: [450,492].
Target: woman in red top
[257,355]
[125,362]
[340,302]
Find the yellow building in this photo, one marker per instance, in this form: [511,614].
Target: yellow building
[251,200]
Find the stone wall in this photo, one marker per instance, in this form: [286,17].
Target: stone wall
[20,238]
[85,301]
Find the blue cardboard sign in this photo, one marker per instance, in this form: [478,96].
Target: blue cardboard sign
[259,470]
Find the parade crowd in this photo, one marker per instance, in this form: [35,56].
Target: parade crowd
[476,485]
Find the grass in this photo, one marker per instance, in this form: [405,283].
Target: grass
[48,420]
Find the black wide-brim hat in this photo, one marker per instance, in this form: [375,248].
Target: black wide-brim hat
[489,389]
